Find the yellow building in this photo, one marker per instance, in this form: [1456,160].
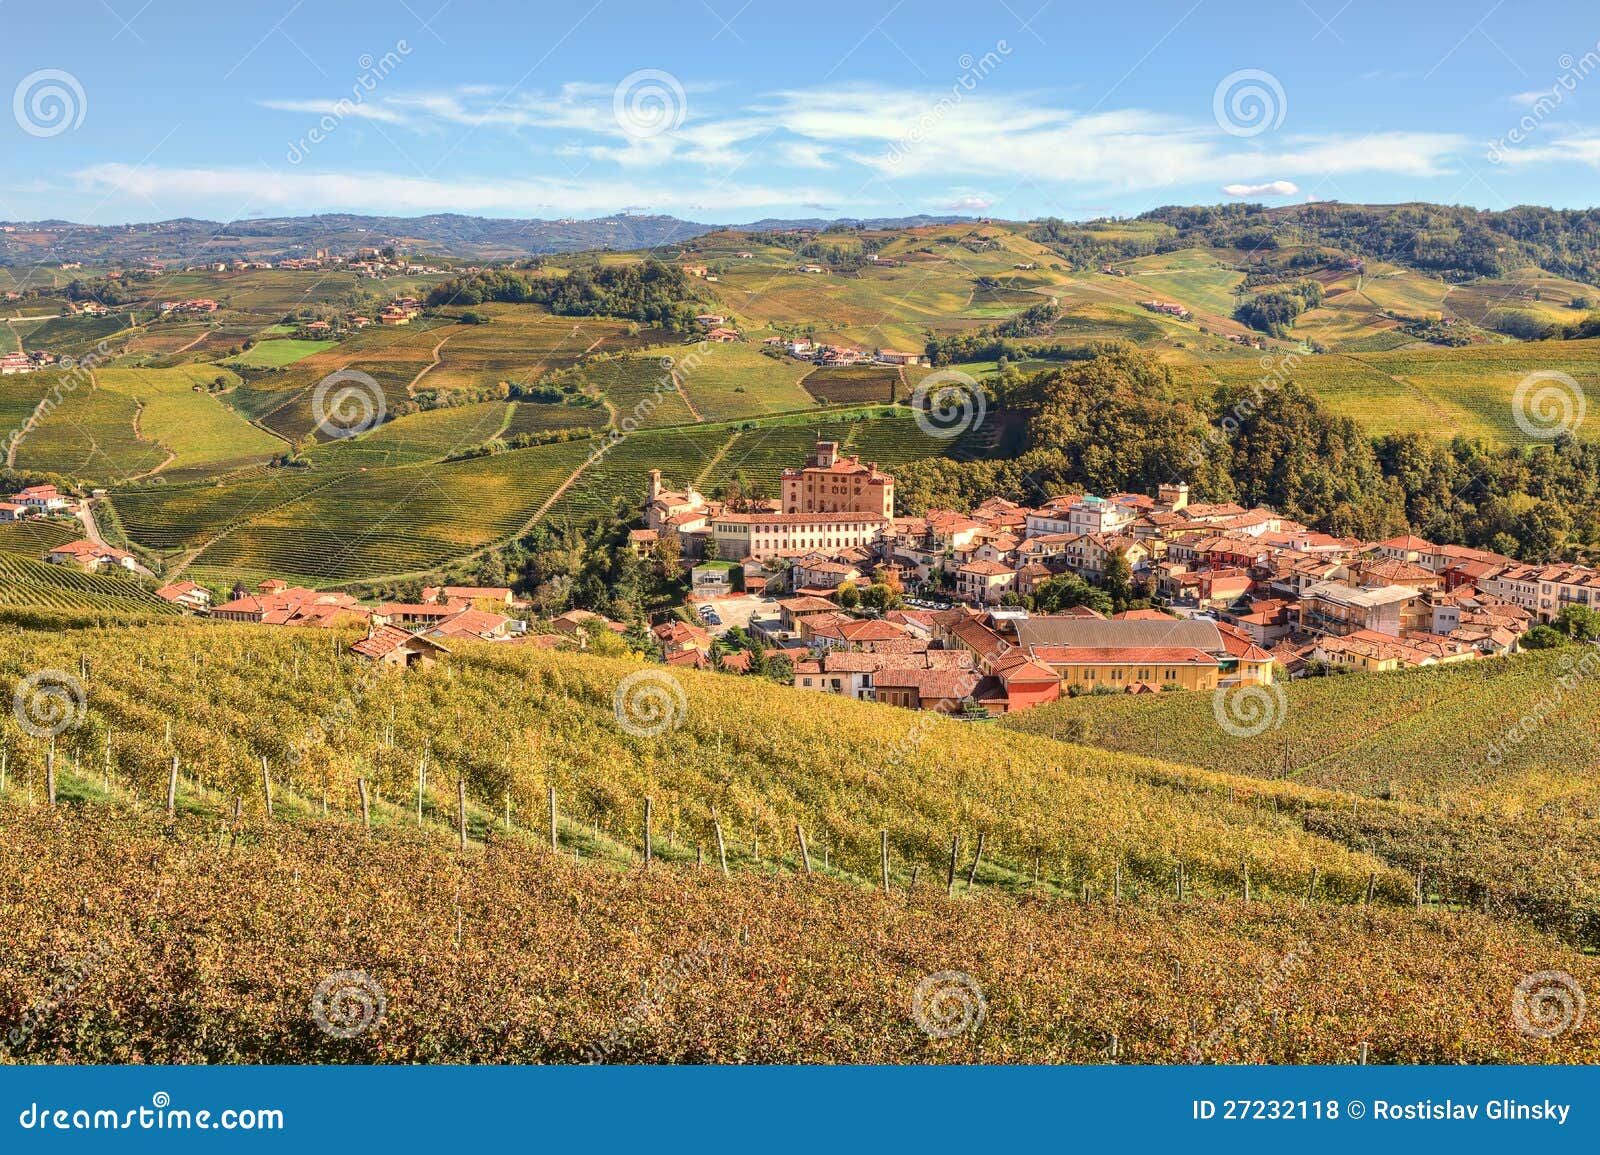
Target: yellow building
[1122,668]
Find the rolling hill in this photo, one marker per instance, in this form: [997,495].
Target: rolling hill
[1073,933]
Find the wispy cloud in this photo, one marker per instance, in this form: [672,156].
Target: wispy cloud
[863,126]
[1272,188]
[390,192]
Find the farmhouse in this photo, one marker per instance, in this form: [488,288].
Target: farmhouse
[44,498]
[393,646]
[195,598]
[91,556]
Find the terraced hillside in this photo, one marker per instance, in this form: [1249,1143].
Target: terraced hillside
[1440,392]
[396,521]
[1438,734]
[28,582]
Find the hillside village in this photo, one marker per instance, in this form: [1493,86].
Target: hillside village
[979,612]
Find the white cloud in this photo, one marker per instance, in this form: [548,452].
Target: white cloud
[338,109]
[258,190]
[1272,188]
[900,133]
[969,204]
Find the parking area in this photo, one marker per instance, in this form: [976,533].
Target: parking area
[734,610]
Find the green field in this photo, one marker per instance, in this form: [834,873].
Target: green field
[638,390]
[177,413]
[1442,392]
[533,417]
[430,435]
[733,380]
[279,352]
[392,521]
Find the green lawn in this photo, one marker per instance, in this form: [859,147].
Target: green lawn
[279,352]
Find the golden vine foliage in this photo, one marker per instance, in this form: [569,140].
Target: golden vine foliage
[512,722]
[130,941]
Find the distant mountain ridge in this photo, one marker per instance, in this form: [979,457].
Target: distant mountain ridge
[188,239]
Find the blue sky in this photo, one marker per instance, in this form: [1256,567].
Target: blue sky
[726,111]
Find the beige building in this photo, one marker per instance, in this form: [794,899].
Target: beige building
[829,483]
[764,535]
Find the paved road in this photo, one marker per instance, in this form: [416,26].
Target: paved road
[91,530]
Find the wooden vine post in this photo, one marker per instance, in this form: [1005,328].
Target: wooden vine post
[50,772]
[555,836]
[883,858]
[366,808]
[172,789]
[266,785]
[722,849]
[950,880]
[805,855]
[461,809]
[977,857]
[649,813]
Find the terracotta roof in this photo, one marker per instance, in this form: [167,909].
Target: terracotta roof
[987,569]
[1122,655]
[387,639]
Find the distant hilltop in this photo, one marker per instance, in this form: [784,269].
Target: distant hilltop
[445,234]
